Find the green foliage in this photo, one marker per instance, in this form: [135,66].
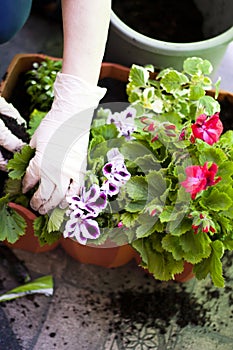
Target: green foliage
[35,120]
[18,164]
[12,225]
[39,83]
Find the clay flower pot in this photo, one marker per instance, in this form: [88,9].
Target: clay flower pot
[101,256]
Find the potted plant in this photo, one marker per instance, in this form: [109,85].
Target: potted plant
[159,175]
[35,75]
[19,224]
[164,33]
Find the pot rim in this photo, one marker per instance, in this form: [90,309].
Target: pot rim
[143,41]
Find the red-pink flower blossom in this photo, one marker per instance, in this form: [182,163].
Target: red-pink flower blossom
[199,177]
[208,129]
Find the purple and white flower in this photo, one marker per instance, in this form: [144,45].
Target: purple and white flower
[92,201]
[81,227]
[115,171]
[110,188]
[124,122]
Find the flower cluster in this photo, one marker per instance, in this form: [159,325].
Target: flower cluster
[83,209]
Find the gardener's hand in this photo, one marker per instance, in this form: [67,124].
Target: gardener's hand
[61,143]
[8,141]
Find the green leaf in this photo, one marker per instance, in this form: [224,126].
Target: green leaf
[137,188]
[135,206]
[18,164]
[196,91]
[128,219]
[161,265]
[196,65]
[56,218]
[179,226]
[225,171]
[212,265]
[147,163]
[216,200]
[146,224]
[12,225]
[108,132]
[156,184]
[133,150]
[172,244]
[13,187]
[210,154]
[173,80]
[40,225]
[42,285]
[195,246]
[35,119]
[217,87]
[209,104]
[138,75]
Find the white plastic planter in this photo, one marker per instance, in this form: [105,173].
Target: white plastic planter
[127,46]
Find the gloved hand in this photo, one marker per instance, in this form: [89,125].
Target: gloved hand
[9,141]
[61,142]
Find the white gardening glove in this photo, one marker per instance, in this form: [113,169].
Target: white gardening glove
[8,140]
[61,142]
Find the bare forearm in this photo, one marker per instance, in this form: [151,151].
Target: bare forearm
[85,26]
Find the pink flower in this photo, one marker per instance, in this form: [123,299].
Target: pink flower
[199,178]
[208,129]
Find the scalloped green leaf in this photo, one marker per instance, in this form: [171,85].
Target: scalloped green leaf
[138,75]
[12,225]
[173,80]
[137,188]
[156,184]
[209,104]
[132,151]
[216,200]
[56,218]
[196,91]
[225,171]
[210,154]
[35,119]
[212,265]
[18,164]
[172,244]
[40,225]
[128,219]
[195,247]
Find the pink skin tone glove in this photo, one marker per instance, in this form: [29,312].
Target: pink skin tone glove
[8,140]
[58,165]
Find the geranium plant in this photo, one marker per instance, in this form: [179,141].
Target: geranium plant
[159,175]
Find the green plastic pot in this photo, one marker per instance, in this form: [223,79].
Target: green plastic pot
[127,46]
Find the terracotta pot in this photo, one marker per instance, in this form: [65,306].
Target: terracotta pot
[101,256]
[187,273]
[19,64]
[29,242]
